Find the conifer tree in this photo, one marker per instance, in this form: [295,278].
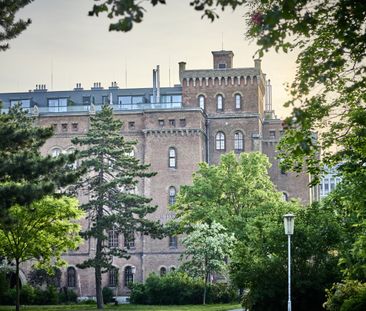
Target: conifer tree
[25,175]
[112,175]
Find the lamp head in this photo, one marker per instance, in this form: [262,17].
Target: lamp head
[289,220]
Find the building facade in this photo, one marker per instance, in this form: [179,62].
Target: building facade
[211,112]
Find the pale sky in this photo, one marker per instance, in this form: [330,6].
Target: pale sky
[64,40]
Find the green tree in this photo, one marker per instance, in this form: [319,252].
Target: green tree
[25,175]
[42,232]
[229,193]
[206,249]
[112,176]
[259,263]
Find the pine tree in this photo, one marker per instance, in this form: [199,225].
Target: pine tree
[25,175]
[112,175]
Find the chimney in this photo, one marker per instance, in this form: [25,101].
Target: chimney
[97,86]
[182,68]
[114,85]
[40,88]
[154,86]
[257,64]
[78,87]
[158,83]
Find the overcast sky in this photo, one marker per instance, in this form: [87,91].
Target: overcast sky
[77,48]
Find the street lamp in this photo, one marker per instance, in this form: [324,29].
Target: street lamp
[289,220]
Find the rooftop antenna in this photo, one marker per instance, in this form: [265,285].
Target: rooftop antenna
[126,73]
[52,75]
[169,72]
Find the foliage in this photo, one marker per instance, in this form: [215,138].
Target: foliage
[133,307]
[67,296]
[111,178]
[11,28]
[40,277]
[42,232]
[25,175]
[206,249]
[315,243]
[178,288]
[229,193]
[347,296]
[107,295]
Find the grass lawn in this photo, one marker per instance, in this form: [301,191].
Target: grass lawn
[128,307]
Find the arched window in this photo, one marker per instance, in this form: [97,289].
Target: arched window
[219,102]
[237,101]
[112,238]
[238,141]
[172,158]
[128,279]
[71,277]
[172,268]
[220,141]
[284,196]
[201,102]
[112,277]
[56,152]
[162,271]
[172,193]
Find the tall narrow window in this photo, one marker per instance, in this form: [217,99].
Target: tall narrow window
[172,193]
[112,277]
[220,141]
[237,101]
[129,240]
[173,241]
[128,279]
[238,141]
[172,158]
[201,102]
[71,277]
[219,103]
[56,152]
[162,271]
[112,238]
[284,196]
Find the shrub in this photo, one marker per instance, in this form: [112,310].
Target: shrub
[177,288]
[67,296]
[348,296]
[27,295]
[107,295]
[138,294]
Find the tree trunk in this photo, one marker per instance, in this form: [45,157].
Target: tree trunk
[17,286]
[98,275]
[205,289]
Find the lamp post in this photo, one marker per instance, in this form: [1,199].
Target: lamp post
[289,220]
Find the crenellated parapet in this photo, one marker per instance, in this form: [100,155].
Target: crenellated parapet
[226,77]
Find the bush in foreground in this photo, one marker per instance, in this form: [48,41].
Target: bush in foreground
[178,288]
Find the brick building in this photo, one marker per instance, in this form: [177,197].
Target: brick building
[211,111]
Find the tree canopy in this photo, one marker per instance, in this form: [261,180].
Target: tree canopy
[42,232]
[25,175]
[115,209]
[206,249]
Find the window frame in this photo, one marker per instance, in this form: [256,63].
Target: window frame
[71,277]
[220,141]
[219,102]
[172,159]
[128,277]
[238,141]
[173,241]
[171,195]
[113,277]
[238,100]
[201,101]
